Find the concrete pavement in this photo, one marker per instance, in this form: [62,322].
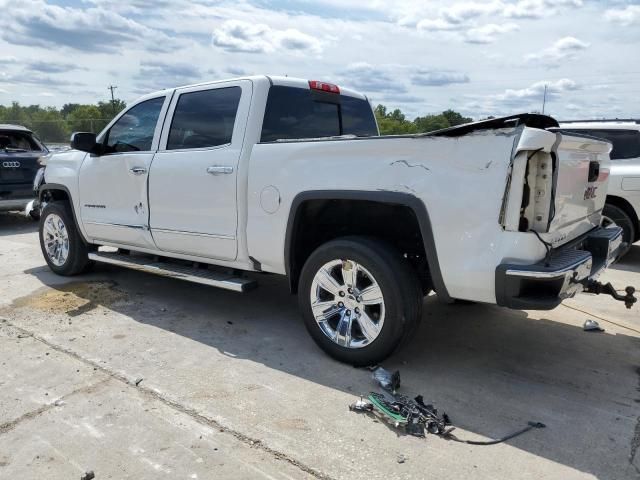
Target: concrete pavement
[231,386]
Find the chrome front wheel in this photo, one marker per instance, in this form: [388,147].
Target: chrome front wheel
[56,239]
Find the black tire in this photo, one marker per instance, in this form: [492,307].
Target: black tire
[77,260]
[398,282]
[620,218]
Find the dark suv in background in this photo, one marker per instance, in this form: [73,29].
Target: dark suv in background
[20,158]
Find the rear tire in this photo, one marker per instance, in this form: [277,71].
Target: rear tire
[62,246]
[612,214]
[359,318]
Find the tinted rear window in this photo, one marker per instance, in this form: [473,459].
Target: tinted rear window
[300,113]
[626,143]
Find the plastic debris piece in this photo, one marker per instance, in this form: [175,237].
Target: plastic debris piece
[88,475]
[401,458]
[361,406]
[592,326]
[138,381]
[387,380]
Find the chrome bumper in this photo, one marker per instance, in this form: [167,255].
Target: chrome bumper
[543,285]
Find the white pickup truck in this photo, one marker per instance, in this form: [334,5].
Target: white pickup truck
[265,174]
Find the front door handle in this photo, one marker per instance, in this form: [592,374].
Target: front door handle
[138,170]
[219,170]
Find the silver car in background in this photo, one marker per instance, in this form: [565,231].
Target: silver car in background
[623,198]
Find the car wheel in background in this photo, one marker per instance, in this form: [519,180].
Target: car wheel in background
[612,215]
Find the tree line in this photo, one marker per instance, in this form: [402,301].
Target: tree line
[395,122]
[55,125]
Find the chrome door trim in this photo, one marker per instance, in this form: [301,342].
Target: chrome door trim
[193,234]
[121,225]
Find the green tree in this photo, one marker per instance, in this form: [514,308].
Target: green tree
[393,123]
[85,118]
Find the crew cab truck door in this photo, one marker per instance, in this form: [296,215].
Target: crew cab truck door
[192,183]
[113,186]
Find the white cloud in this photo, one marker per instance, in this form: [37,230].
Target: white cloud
[630,15]
[565,48]
[532,95]
[488,33]
[241,36]
[369,78]
[435,78]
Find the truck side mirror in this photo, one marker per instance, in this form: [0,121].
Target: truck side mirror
[85,142]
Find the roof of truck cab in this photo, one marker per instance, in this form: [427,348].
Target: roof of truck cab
[274,80]
[8,126]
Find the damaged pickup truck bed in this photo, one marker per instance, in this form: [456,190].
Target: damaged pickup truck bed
[266,174]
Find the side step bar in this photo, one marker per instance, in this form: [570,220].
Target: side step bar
[189,274]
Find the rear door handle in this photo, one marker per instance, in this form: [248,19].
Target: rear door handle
[219,170]
[138,170]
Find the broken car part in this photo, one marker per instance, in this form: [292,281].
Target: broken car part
[592,326]
[387,380]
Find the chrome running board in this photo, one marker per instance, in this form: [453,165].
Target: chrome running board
[190,274]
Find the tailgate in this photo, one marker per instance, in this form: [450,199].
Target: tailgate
[580,185]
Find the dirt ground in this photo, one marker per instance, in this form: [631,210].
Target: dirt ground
[130,375]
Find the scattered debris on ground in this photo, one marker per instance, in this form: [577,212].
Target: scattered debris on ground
[592,326]
[138,381]
[414,416]
[88,475]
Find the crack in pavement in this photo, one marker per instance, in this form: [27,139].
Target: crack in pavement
[191,412]
[11,424]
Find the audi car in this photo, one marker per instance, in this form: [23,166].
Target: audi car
[21,155]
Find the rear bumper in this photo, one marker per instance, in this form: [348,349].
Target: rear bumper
[543,285]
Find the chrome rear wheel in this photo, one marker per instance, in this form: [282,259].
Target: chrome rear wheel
[348,304]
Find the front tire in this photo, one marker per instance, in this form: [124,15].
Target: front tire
[62,246]
[615,215]
[359,299]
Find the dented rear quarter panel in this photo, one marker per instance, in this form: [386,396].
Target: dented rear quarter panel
[461,181]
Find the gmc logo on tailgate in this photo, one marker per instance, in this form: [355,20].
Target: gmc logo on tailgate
[11,164]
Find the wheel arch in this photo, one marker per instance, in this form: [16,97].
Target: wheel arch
[411,202]
[59,192]
[624,205]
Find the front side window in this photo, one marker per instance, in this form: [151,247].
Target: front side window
[133,132]
[204,119]
[626,143]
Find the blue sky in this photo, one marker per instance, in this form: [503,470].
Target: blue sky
[479,57]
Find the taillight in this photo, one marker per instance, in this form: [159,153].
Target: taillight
[323,87]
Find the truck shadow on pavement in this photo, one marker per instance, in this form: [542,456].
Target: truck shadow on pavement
[14,223]
[491,369]
[631,261]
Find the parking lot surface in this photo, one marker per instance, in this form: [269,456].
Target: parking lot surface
[130,375]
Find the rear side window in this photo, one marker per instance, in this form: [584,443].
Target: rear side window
[626,143]
[293,113]
[204,119]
